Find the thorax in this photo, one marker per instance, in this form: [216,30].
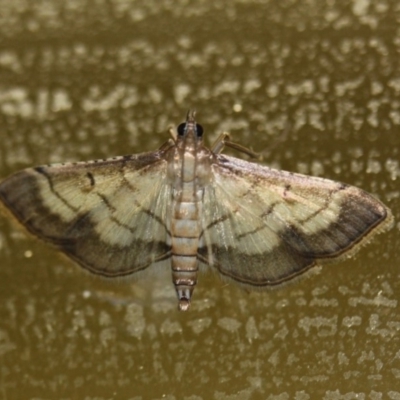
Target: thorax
[189,170]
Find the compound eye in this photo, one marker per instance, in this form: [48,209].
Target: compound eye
[199,130]
[181,129]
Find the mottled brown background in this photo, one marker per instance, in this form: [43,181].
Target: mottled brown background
[313,85]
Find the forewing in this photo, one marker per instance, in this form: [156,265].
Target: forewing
[263,227]
[108,215]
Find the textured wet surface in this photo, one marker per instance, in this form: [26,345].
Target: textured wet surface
[311,85]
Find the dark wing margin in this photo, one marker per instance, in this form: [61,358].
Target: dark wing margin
[107,215]
[263,227]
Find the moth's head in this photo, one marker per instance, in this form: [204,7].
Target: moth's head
[190,130]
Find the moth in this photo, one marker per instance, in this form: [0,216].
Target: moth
[197,208]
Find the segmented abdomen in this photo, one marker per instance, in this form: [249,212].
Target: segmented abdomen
[185,232]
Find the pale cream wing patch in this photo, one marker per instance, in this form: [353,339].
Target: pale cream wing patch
[262,227]
[108,215]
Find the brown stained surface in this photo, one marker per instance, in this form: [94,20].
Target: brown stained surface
[313,86]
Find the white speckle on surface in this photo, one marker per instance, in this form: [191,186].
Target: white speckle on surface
[28,254]
[323,302]
[360,7]
[9,60]
[251,330]
[266,325]
[121,95]
[104,318]
[200,324]
[185,42]
[348,86]
[376,88]
[392,166]
[376,329]
[356,166]
[283,303]
[169,327]
[302,395]
[394,83]
[237,107]
[302,168]
[317,168]
[325,326]
[352,321]
[395,117]
[373,167]
[181,91]
[226,86]
[245,394]
[5,344]
[155,95]
[281,333]
[107,335]
[308,86]
[16,102]
[79,320]
[251,85]
[272,90]
[229,324]
[379,301]
[336,395]
[136,323]
[274,358]
[342,358]
[301,301]
[61,101]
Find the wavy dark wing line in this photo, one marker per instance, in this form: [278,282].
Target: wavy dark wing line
[263,227]
[108,215]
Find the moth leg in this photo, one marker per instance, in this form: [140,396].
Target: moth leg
[172,133]
[219,144]
[224,140]
[171,141]
[167,145]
